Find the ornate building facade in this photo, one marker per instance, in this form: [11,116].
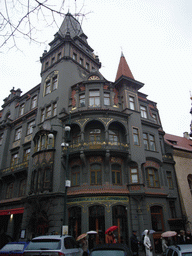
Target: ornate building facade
[115,156]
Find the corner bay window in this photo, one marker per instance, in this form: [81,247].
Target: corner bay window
[51,83]
[94,98]
[95,174]
[152,177]
[95,135]
[136,136]
[131,102]
[43,142]
[114,136]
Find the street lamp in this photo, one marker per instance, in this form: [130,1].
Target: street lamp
[67,139]
[67,181]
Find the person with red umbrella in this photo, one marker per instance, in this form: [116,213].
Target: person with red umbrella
[110,239]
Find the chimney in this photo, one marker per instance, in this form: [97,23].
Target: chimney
[186,135]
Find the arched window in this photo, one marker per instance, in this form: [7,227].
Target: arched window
[189,178]
[116,174]
[157,218]
[120,220]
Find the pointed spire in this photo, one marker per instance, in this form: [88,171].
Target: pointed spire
[123,69]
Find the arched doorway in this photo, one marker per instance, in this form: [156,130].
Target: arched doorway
[97,222]
[120,220]
[74,214]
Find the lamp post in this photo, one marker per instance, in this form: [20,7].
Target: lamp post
[67,181]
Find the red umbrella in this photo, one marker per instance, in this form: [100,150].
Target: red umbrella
[112,228]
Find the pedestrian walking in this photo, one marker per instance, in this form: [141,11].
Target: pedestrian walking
[147,244]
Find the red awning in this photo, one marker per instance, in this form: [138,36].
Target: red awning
[12,211]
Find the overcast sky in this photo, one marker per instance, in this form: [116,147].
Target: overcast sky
[154,35]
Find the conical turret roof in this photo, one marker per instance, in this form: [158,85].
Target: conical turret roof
[123,69]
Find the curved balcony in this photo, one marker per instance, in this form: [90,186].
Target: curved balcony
[97,146]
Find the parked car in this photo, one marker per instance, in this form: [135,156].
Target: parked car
[53,245]
[111,250]
[13,248]
[179,250]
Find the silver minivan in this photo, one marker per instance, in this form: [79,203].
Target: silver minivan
[53,245]
[179,250]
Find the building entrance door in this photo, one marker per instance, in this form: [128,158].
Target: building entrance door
[97,222]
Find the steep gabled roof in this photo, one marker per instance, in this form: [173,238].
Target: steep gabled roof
[123,69]
[72,26]
[177,142]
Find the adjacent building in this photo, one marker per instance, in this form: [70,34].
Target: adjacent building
[103,137]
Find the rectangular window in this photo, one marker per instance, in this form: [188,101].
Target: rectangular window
[82,100]
[136,136]
[48,87]
[169,180]
[30,127]
[106,99]
[42,115]
[87,66]
[172,209]
[152,142]
[75,56]
[116,174]
[143,111]
[48,111]
[53,60]
[145,141]
[9,191]
[94,98]
[131,102]
[95,174]
[95,135]
[47,178]
[21,110]
[81,61]
[46,64]
[14,159]
[154,117]
[26,154]
[59,56]
[152,177]
[22,187]
[55,109]
[34,102]
[18,134]
[75,176]
[114,136]
[134,175]
[54,83]
[1,138]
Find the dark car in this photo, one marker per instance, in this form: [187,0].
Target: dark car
[13,249]
[111,250]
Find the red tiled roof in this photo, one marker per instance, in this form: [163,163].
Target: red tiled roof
[178,142]
[123,69]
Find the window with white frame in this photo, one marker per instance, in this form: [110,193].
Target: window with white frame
[145,140]
[14,159]
[18,134]
[134,175]
[82,100]
[30,127]
[51,83]
[21,109]
[34,102]
[143,110]
[132,102]
[136,136]
[106,98]
[94,98]
[152,142]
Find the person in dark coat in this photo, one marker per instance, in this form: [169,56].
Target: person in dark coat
[181,239]
[134,243]
[188,237]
